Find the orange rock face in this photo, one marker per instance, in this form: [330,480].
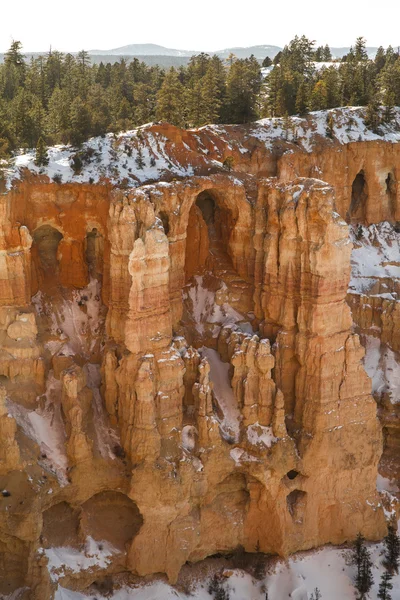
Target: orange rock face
[180,370]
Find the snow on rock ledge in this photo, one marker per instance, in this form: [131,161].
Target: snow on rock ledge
[161,151]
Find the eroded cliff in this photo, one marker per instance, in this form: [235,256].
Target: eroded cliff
[180,371]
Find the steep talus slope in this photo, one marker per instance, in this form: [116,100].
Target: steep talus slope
[180,371]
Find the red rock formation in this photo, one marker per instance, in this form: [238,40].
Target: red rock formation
[189,354]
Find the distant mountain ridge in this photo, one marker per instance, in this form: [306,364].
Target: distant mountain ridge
[259,52]
[142,50]
[154,54]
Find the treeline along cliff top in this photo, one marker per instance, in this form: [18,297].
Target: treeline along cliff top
[62,99]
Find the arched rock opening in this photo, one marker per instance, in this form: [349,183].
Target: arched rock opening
[44,252]
[232,498]
[296,503]
[391,192]
[94,249]
[209,229]
[112,517]
[359,197]
[60,526]
[165,221]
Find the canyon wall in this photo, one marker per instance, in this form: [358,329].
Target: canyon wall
[180,371]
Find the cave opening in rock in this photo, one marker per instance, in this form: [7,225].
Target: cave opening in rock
[112,517]
[165,221]
[231,497]
[46,240]
[216,298]
[60,526]
[94,246]
[391,193]
[292,474]
[296,503]
[207,241]
[359,197]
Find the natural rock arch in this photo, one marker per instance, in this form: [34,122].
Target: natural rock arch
[296,504]
[111,516]
[208,234]
[94,249]
[230,496]
[391,192]
[60,526]
[359,198]
[232,200]
[46,240]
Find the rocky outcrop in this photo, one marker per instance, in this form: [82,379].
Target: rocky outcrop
[180,371]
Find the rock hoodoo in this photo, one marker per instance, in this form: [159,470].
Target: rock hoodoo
[182,355]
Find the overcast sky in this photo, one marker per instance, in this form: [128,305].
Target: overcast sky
[194,25]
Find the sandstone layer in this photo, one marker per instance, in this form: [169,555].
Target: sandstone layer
[180,372]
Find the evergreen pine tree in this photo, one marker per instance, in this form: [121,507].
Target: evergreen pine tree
[316,595]
[364,579]
[267,62]
[139,159]
[392,549]
[211,96]
[319,54]
[327,54]
[319,96]
[372,115]
[170,99]
[228,163]
[389,103]
[385,586]
[302,99]
[380,58]
[357,551]
[330,123]
[80,121]
[360,49]
[41,158]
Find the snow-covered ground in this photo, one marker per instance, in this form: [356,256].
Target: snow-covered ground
[383,367]
[65,559]
[119,158]
[326,569]
[375,273]
[376,256]
[346,125]
[76,331]
[205,310]
[265,71]
[142,155]
[45,426]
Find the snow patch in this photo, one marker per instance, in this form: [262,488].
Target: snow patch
[223,392]
[95,555]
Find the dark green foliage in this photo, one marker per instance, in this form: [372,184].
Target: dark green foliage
[392,549]
[316,595]
[385,586]
[57,178]
[373,115]
[41,158]
[295,85]
[330,123]
[243,84]
[216,589]
[228,163]
[361,558]
[170,99]
[66,99]
[139,159]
